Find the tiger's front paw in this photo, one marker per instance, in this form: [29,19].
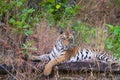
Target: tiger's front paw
[34,58]
[47,70]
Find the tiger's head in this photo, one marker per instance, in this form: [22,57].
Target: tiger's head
[67,39]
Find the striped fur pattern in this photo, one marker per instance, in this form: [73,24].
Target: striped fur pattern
[65,51]
[64,41]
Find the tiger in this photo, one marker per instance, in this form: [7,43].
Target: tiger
[64,50]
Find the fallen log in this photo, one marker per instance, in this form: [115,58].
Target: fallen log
[73,66]
[89,66]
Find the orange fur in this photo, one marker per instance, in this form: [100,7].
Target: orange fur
[66,56]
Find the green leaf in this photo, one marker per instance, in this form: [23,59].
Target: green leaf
[51,1]
[19,24]
[51,10]
[12,21]
[117,30]
[25,46]
[26,26]
[33,48]
[110,26]
[0,14]
[31,10]
[19,3]
[28,32]
[109,46]
[58,6]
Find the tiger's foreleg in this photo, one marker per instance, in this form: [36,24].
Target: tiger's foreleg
[44,57]
[66,56]
[49,66]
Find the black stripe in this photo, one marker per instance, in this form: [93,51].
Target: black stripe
[89,57]
[82,54]
[102,56]
[86,52]
[107,59]
[54,53]
[53,56]
[77,58]
[98,57]
[85,56]
[62,49]
[57,48]
[49,58]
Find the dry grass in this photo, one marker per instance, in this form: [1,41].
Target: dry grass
[44,38]
[11,50]
[97,12]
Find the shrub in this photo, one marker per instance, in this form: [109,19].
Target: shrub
[113,40]
[58,12]
[85,33]
[18,15]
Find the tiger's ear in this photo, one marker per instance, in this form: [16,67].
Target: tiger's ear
[61,31]
[73,32]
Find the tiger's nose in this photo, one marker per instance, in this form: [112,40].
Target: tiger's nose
[71,40]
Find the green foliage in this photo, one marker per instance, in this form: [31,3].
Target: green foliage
[86,32]
[22,18]
[58,12]
[21,21]
[19,15]
[113,40]
[28,47]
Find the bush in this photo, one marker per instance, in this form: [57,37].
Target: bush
[58,12]
[18,15]
[113,40]
[85,33]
